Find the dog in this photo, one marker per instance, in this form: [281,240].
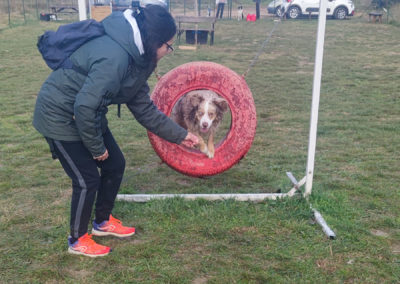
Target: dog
[200,112]
[240,13]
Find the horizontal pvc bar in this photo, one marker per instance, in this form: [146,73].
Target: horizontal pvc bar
[257,197]
[238,197]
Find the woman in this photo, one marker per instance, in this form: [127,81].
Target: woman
[71,109]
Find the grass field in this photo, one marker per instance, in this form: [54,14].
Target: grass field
[356,182]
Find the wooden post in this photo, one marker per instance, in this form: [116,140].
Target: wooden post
[23,10]
[37,9]
[100,12]
[199,8]
[258,9]
[9,13]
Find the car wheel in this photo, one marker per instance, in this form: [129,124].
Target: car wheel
[278,11]
[294,12]
[340,13]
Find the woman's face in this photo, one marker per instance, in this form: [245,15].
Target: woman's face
[165,49]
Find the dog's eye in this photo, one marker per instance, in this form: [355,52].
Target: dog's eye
[201,113]
[211,114]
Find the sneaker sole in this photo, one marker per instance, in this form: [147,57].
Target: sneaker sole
[72,251]
[102,234]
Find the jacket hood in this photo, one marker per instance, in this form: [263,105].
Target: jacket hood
[119,29]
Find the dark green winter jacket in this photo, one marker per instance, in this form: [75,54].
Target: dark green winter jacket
[72,107]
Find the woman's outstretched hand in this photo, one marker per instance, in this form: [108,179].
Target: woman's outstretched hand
[191,140]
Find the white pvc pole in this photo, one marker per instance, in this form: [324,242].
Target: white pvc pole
[82,10]
[312,140]
[321,221]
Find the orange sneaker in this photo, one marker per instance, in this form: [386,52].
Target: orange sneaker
[86,246]
[112,227]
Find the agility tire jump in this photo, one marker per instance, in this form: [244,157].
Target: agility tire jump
[229,85]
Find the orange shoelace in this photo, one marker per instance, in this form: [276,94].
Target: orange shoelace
[114,221]
[87,240]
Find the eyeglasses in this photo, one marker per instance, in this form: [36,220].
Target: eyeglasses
[169,47]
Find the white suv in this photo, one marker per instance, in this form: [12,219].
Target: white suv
[339,9]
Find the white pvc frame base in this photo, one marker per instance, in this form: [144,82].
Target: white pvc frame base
[255,197]
[307,180]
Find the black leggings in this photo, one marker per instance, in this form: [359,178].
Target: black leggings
[80,166]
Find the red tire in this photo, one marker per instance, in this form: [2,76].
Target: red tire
[227,84]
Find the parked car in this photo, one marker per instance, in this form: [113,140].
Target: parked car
[339,9]
[275,7]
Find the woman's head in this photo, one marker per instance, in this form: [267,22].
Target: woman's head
[157,27]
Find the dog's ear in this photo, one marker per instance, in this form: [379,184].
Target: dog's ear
[221,103]
[195,98]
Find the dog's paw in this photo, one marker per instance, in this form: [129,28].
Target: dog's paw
[207,152]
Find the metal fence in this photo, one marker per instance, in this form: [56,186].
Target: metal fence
[19,12]
[198,8]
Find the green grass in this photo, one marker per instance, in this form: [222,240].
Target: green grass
[355,184]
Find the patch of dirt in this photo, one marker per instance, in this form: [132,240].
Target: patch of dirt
[78,274]
[137,242]
[145,169]
[182,181]
[242,230]
[395,248]
[304,72]
[63,196]
[200,280]
[379,233]
[273,55]
[192,250]
[305,62]
[326,264]
[274,118]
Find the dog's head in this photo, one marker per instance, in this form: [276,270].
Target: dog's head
[207,108]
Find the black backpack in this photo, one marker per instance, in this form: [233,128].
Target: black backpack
[57,46]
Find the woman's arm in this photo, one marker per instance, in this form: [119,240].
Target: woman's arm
[148,115]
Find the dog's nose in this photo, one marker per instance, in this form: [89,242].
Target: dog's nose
[205,124]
